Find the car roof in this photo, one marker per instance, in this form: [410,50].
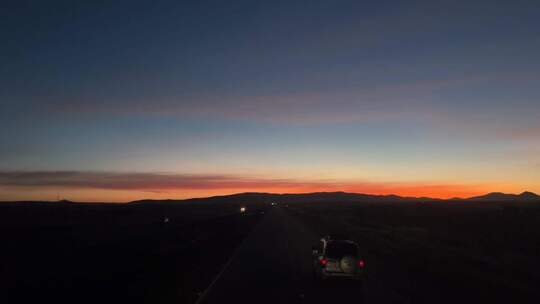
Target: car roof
[336,237]
[343,241]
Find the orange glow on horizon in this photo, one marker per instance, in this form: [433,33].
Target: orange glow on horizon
[126,195]
[124,187]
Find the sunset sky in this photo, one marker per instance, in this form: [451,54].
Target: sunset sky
[124,100]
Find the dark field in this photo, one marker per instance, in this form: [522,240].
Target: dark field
[87,253]
[441,252]
[473,252]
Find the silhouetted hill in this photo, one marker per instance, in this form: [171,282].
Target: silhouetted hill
[296,198]
[258,197]
[529,195]
[504,197]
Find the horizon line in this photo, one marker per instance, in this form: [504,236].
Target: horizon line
[273,193]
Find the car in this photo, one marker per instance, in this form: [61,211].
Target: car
[337,258]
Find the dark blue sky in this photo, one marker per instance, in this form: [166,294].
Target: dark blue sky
[377,92]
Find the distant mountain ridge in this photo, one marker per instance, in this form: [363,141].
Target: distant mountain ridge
[330,197]
[499,196]
[349,197]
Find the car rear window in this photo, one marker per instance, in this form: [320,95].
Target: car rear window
[337,250]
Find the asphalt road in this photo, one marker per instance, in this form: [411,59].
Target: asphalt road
[273,265]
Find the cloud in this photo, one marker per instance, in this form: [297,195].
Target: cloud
[306,107]
[168,183]
[123,181]
[416,101]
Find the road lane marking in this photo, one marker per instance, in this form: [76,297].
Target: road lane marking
[226,266]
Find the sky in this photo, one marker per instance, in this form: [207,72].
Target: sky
[124,100]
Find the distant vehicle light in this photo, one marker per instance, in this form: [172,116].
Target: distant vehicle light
[324,262]
[361,264]
[242,209]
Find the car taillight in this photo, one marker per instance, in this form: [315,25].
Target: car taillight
[361,264]
[324,262]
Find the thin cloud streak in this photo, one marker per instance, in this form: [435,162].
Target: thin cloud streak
[162,182]
[310,107]
[414,101]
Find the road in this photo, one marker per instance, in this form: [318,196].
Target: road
[273,265]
